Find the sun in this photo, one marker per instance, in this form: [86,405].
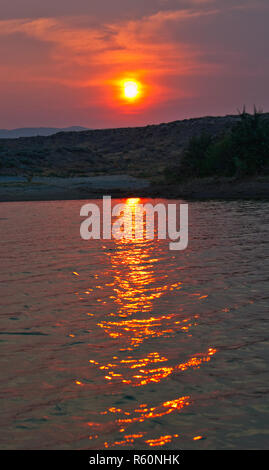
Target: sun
[131,90]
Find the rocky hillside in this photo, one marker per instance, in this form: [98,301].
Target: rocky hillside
[140,151]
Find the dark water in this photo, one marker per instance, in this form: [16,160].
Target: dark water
[124,344]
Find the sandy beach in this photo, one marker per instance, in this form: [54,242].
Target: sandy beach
[17,188]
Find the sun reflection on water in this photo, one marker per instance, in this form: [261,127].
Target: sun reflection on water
[131,322]
[144,412]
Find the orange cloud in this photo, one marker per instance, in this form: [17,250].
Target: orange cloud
[98,57]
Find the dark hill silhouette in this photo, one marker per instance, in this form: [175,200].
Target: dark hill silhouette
[139,151]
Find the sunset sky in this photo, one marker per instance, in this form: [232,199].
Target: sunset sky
[64,62]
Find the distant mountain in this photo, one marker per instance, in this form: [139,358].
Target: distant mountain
[35,131]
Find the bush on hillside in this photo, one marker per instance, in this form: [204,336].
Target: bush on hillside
[244,150]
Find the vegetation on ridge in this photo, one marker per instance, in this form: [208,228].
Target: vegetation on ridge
[241,151]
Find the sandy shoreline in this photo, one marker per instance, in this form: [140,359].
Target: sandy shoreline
[121,186]
[17,188]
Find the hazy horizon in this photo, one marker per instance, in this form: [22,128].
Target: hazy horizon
[69,126]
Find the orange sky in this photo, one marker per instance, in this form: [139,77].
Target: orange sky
[65,66]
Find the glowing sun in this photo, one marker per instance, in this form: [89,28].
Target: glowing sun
[131,90]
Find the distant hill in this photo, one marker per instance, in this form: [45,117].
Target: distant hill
[35,131]
[136,151]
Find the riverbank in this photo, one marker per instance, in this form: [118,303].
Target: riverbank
[118,186]
[214,188]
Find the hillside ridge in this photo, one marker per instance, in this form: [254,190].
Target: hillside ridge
[137,151]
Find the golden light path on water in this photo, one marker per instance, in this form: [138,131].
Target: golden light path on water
[135,287]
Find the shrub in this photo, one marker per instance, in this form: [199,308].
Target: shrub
[195,155]
[244,150]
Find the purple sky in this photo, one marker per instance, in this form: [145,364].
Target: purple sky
[62,62]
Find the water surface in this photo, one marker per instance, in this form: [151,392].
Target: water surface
[127,345]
